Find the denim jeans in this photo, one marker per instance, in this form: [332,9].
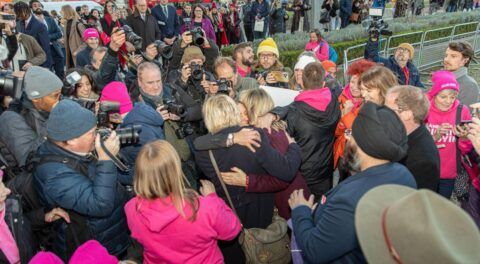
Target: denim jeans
[445,187]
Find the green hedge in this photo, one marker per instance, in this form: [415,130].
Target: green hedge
[291,45]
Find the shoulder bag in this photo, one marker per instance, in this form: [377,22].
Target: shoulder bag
[270,245]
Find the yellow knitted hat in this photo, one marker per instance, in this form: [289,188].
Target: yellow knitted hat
[408,47]
[268,45]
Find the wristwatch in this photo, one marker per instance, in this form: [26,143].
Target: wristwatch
[230,140]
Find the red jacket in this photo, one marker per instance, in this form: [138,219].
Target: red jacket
[167,237]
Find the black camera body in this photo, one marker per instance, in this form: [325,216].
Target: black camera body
[164,50]
[104,111]
[224,86]
[185,130]
[85,103]
[197,72]
[127,135]
[131,37]
[10,85]
[197,36]
[376,26]
[173,107]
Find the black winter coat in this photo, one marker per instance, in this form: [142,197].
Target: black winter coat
[314,132]
[148,30]
[253,209]
[423,160]
[107,72]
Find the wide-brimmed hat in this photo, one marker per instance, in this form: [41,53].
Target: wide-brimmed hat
[397,222]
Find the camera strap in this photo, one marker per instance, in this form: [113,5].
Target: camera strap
[120,165]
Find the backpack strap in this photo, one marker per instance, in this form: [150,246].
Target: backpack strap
[458,120]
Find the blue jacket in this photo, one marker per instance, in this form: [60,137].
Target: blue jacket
[54,34]
[98,196]
[371,52]
[169,26]
[152,129]
[261,10]
[39,31]
[329,236]
[83,57]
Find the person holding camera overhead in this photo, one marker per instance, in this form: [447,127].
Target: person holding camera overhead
[89,191]
[198,38]
[399,63]
[144,24]
[23,125]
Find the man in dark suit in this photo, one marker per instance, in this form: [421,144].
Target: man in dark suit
[423,160]
[168,21]
[29,25]
[144,24]
[54,34]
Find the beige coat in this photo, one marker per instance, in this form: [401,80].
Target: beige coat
[75,41]
[35,53]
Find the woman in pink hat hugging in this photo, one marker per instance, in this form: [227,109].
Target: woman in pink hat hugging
[444,121]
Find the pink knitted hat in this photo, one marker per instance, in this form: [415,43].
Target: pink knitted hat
[117,92]
[90,33]
[443,80]
[92,252]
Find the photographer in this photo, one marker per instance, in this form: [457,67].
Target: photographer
[399,63]
[270,70]
[228,77]
[89,191]
[144,24]
[28,54]
[129,116]
[24,129]
[182,114]
[208,47]
[104,61]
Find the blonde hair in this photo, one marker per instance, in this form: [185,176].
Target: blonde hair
[380,78]
[257,102]
[158,174]
[219,112]
[69,12]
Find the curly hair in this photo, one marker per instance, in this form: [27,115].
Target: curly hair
[360,66]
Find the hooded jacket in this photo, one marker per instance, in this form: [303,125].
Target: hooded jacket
[167,237]
[447,144]
[152,129]
[312,119]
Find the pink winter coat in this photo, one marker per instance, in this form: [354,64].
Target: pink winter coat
[319,48]
[167,237]
[447,144]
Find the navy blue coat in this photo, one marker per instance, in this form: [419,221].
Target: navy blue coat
[329,235]
[54,34]
[262,10]
[99,197]
[83,57]
[152,129]
[371,52]
[169,26]
[39,31]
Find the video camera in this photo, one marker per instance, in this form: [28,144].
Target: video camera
[10,85]
[375,25]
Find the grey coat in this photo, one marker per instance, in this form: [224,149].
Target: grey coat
[469,91]
[22,133]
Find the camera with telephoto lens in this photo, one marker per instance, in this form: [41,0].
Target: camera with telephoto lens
[127,136]
[103,116]
[197,72]
[10,85]
[163,49]
[224,86]
[197,36]
[184,130]
[173,107]
[131,37]
[375,25]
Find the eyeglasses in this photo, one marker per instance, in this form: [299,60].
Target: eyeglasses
[266,56]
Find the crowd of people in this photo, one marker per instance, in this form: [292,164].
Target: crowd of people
[134,140]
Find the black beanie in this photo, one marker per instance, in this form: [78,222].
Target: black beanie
[380,133]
